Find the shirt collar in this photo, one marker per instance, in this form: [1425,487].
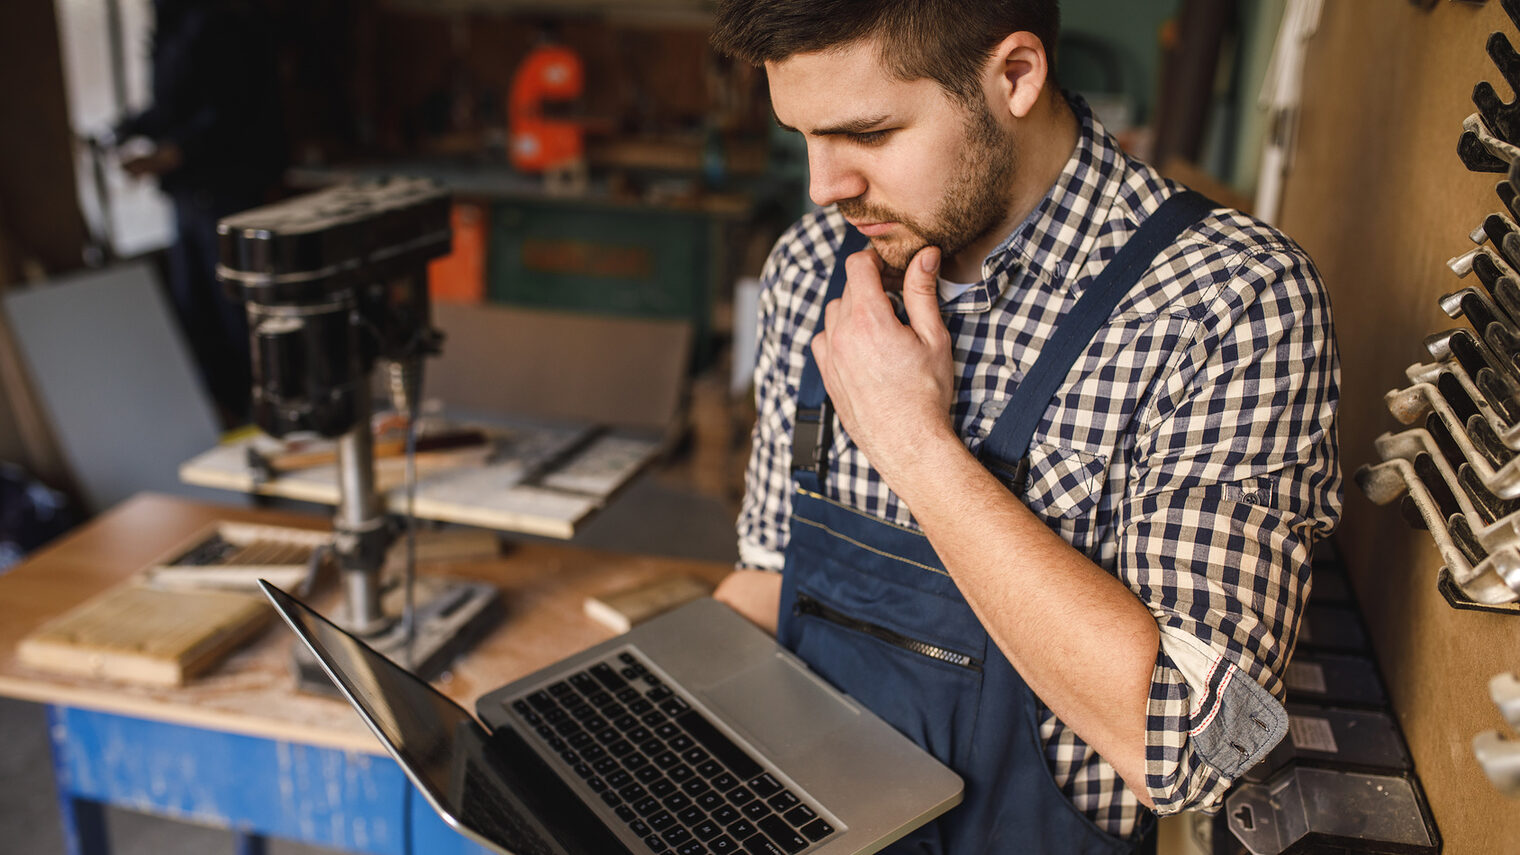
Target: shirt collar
[1060,231]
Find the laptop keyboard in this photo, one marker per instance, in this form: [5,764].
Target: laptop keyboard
[678,782]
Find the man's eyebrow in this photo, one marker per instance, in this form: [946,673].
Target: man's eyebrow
[851,126]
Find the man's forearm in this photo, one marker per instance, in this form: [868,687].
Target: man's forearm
[1081,640]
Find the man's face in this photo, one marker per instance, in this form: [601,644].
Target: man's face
[907,164]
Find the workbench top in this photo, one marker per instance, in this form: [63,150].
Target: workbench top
[543,587]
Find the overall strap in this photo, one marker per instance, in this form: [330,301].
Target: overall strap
[1010,437]
[812,434]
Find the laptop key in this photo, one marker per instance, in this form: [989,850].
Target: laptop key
[676,834]
[800,815]
[695,787]
[626,814]
[706,830]
[561,689]
[633,762]
[612,799]
[724,782]
[757,810]
[584,770]
[776,829]
[662,820]
[639,827]
[710,800]
[674,706]
[742,829]
[596,783]
[607,676]
[679,773]
[692,848]
[817,830]
[655,844]
[725,814]
[710,769]
[621,748]
[724,845]
[764,785]
[649,773]
[666,759]
[782,802]
[662,787]
[647,807]
[628,695]
[756,844]
[605,765]
[541,700]
[692,815]
[681,743]
[677,801]
[740,796]
[633,792]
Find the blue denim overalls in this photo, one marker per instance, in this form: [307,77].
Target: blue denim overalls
[868,605]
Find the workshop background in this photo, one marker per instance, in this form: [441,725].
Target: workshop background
[676,184]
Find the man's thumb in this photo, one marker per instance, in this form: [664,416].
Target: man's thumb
[921,290]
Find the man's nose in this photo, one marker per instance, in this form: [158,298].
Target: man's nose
[832,178]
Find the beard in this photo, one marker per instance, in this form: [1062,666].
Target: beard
[973,204]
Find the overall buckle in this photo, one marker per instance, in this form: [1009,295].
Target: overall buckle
[811,439]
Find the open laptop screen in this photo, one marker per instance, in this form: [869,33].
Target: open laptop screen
[445,752]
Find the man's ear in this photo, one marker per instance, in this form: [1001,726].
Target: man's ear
[1018,70]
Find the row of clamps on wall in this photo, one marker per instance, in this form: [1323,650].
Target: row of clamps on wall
[1456,470]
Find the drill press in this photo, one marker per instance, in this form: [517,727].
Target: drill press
[335,283]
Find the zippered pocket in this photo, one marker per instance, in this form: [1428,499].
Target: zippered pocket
[806,606]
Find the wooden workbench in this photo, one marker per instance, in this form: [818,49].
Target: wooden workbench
[251,694]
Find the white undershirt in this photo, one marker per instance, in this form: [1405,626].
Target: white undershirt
[950,290]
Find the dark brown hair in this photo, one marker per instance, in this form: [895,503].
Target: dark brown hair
[947,41]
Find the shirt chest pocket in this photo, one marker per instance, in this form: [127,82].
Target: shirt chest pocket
[1064,483]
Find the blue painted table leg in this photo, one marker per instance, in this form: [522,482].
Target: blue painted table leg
[84,820]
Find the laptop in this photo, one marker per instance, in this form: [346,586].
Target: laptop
[695,732]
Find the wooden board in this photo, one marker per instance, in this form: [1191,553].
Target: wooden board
[541,480]
[1381,201]
[136,634]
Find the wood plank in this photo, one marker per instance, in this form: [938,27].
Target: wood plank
[509,492]
[136,634]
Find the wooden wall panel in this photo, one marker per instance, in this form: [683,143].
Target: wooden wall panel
[1381,201]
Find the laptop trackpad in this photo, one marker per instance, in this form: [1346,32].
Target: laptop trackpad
[780,705]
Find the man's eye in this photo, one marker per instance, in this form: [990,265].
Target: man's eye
[871,138]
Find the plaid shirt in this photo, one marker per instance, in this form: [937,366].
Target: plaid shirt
[1193,456]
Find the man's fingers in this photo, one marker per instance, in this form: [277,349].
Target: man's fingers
[863,279]
[921,295]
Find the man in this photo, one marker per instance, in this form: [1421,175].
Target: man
[215,126]
[1082,599]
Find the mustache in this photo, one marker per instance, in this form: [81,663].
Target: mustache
[857,210]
